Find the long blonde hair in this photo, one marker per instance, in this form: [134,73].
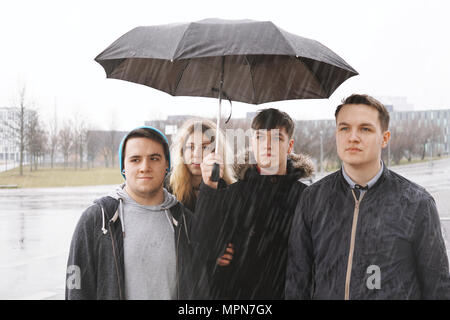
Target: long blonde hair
[181,181]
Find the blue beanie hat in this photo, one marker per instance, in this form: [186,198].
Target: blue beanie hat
[121,146]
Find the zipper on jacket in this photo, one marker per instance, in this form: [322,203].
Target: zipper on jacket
[352,244]
[115,261]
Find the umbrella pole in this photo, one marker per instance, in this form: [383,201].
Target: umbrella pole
[219,112]
[215,174]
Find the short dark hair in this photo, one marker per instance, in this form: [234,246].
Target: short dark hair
[383,114]
[149,134]
[272,118]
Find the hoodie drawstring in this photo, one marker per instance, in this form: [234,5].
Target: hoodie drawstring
[103,221]
[121,216]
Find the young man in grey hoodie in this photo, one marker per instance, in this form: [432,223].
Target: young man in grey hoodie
[134,243]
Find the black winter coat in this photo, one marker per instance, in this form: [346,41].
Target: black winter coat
[398,251]
[254,214]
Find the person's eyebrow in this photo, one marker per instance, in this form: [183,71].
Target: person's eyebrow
[366,124]
[155,155]
[151,155]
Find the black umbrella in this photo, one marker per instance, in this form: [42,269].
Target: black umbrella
[242,60]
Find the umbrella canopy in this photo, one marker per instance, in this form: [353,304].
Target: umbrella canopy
[249,61]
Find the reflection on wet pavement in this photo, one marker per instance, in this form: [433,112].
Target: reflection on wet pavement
[36,226]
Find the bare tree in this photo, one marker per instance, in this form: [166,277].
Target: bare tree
[105,152]
[304,139]
[66,141]
[307,140]
[105,143]
[435,137]
[405,144]
[15,122]
[93,146]
[400,145]
[112,142]
[53,137]
[35,138]
[426,136]
[79,139]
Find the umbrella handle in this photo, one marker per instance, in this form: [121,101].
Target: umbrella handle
[215,174]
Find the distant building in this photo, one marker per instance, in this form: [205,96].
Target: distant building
[9,139]
[322,123]
[169,126]
[401,110]
[389,107]
[439,118]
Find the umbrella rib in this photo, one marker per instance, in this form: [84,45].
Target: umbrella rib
[285,39]
[298,57]
[251,78]
[181,76]
[314,74]
[176,51]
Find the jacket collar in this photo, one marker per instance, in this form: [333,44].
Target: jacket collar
[298,166]
[385,173]
[370,183]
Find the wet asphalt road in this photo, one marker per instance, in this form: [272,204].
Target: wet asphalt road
[36,226]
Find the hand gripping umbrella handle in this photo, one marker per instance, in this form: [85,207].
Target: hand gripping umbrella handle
[215,173]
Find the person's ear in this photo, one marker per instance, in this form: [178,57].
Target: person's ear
[167,167]
[291,146]
[386,138]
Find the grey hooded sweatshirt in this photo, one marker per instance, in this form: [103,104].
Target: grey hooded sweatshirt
[110,253]
[149,248]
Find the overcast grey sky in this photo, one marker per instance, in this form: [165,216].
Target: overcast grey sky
[400,48]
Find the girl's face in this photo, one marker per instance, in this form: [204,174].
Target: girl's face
[195,149]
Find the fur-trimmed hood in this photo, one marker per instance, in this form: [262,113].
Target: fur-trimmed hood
[298,164]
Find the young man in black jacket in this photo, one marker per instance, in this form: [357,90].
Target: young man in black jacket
[365,232]
[254,215]
[134,243]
